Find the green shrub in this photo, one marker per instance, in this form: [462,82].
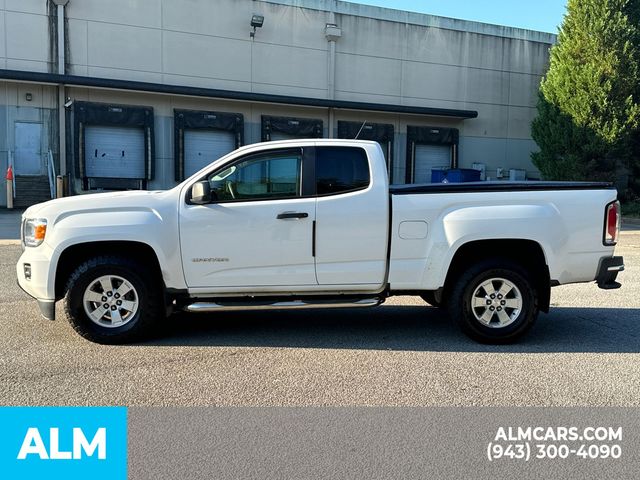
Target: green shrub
[589,102]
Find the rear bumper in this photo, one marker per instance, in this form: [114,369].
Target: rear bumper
[608,271]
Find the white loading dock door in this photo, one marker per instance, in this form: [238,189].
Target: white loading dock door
[201,147]
[427,158]
[114,152]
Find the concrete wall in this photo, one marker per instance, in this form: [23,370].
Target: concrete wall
[25,35]
[384,56]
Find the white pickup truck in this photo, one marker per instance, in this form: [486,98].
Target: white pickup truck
[315,224]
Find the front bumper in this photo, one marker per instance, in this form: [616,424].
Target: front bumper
[47,307]
[608,271]
[40,283]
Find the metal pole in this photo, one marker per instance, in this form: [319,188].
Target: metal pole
[62,130]
[9,187]
[9,194]
[59,186]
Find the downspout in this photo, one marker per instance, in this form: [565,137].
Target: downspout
[62,127]
[61,40]
[332,33]
[331,86]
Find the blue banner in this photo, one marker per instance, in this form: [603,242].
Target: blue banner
[63,442]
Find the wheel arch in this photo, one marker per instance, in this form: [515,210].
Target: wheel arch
[527,253]
[76,254]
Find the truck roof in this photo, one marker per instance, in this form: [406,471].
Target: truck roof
[303,141]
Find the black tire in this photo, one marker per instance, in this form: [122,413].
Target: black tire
[429,297]
[505,274]
[146,291]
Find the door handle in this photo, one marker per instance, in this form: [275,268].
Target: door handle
[285,215]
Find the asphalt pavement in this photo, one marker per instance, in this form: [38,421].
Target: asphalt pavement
[585,352]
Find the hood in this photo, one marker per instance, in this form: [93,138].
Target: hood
[96,201]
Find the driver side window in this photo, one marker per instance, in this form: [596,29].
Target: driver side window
[262,177]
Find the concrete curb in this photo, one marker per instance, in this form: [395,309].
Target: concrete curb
[630,221]
[4,242]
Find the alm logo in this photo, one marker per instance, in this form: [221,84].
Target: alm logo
[63,442]
[34,445]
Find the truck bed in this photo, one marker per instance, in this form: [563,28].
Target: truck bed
[496,186]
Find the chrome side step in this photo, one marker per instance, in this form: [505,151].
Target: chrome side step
[291,305]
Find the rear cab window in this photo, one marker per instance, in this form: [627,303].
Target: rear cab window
[341,170]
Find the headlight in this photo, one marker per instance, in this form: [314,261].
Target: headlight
[34,231]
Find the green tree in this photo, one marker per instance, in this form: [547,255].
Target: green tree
[589,101]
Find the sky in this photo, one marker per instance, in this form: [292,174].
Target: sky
[542,15]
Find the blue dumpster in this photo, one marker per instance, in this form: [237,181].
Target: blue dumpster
[455,175]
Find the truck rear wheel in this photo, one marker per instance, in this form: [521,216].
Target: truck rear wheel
[494,302]
[112,300]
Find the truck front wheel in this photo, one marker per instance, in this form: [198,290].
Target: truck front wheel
[494,302]
[112,300]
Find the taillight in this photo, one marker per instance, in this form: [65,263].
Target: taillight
[612,224]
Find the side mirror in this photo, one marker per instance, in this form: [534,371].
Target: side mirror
[201,193]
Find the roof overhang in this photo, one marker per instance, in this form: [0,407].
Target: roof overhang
[116,84]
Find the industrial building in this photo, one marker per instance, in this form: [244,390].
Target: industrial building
[141,94]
